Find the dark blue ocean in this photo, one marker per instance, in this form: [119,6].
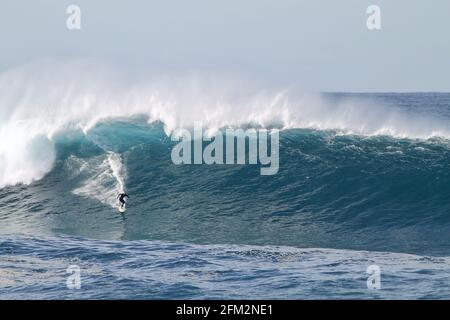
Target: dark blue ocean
[351,192]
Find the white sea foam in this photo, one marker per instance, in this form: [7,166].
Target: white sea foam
[106,177]
[39,100]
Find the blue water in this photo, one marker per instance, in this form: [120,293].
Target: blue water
[339,203]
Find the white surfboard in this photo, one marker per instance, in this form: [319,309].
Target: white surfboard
[123,208]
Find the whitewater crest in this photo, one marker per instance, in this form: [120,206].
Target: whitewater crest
[39,101]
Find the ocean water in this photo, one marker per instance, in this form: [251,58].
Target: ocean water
[364,180]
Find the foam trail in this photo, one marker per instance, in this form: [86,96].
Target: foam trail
[117,169]
[106,178]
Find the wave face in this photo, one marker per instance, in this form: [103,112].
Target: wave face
[333,190]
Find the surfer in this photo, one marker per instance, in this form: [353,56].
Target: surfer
[121,197]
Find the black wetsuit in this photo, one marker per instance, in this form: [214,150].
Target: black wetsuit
[121,196]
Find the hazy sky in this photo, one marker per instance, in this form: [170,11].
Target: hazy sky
[316,44]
